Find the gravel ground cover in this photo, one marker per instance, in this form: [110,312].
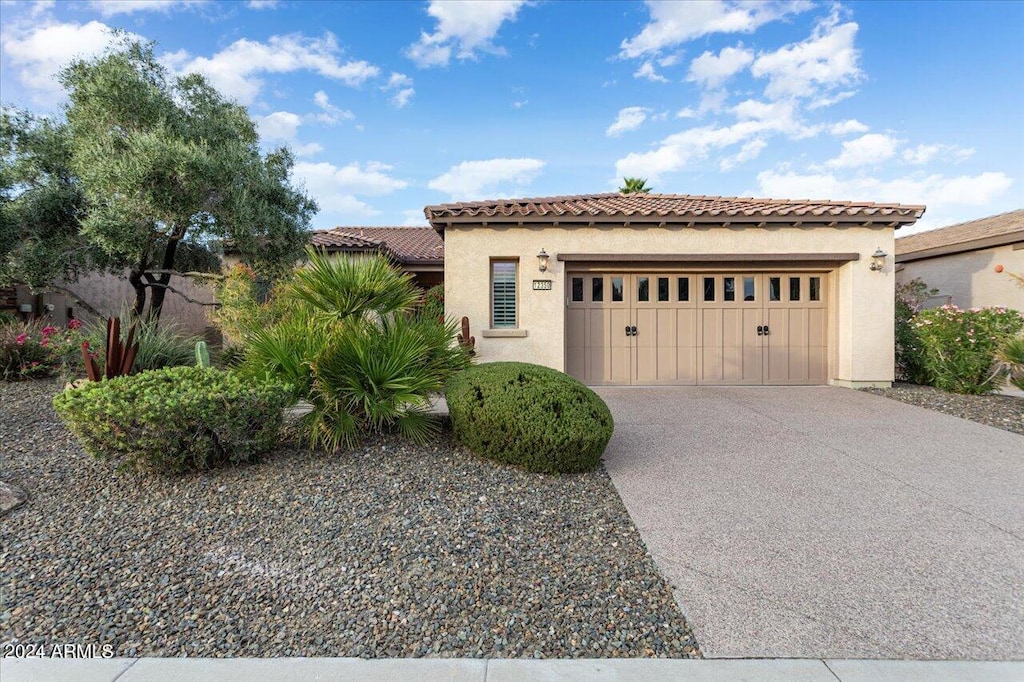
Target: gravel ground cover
[1000,411]
[391,550]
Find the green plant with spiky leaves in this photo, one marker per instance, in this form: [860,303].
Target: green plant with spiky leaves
[1011,360]
[635,186]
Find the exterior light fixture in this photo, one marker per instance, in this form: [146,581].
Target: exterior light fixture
[878,260]
[542,260]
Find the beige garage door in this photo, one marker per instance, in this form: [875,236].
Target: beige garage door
[697,328]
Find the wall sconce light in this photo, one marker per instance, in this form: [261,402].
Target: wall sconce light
[878,260]
[542,260]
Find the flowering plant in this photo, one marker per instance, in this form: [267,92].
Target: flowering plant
[959,346]
[33,350]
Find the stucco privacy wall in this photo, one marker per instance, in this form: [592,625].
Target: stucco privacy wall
[861,320]
[969,279]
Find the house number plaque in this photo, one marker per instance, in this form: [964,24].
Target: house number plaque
[542,285]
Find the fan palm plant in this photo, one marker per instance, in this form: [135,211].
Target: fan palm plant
[635,186]
[1011,359]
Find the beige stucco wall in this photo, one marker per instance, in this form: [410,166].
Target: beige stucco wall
[970,280]
[861,327]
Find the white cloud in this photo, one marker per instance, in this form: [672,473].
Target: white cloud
[465,27]
[944,196]
[39,52]
[673,23]
[310,149]
[824,61]
[401,88]
[748,152]
[329,113]
[280,125]
[413,217]
[866,150]
[629,118]
[235,70]
[263,4]
[925,153]
[472,179]
[337,189]
[827,101]
[109,8]
[711,71]
[520,103]
[648,71]
[848,127]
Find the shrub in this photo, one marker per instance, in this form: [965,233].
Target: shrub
[176,419]
[532,416]
[959,346]
[24,352]
[432,305]
[352,344]
[1011,358]
[910,364]
[163,344]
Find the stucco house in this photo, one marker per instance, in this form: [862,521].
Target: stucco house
[417,250]
[674,289]
[969,262]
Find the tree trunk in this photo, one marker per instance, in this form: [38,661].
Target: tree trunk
[156,304]
[135,279]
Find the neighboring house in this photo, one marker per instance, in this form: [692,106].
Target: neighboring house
[669,289]
[968,263]
[417,250]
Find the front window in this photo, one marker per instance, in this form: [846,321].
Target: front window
[503,294]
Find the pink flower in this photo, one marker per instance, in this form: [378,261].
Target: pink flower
[35,363]
[44,342]
[47,330]
[20,340]
[74,324]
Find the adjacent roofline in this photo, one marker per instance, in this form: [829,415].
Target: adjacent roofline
[962,247]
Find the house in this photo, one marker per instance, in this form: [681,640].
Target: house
[969,263]
[675,289]
[417,250]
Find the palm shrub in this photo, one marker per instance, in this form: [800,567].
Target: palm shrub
[1011,359]
[959,346]
[351,344]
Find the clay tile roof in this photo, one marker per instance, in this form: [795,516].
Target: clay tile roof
[670,206]
[405,244]
[1004,228]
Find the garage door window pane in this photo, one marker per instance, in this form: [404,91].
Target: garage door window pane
[643,289]
[709,288]
[729,288]
[794,288]
[577,289]
[503,294]
[748,289]
[616,288]
[684,288]
[597,289]
[815,289]
[775,289]
[663,288]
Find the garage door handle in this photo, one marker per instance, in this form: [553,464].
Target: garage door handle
[627,331]
[760,330]
[766,331]
[632,330]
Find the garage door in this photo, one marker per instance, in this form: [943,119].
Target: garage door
[697,328]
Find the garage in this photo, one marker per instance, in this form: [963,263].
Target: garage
[674,289]
[686,328]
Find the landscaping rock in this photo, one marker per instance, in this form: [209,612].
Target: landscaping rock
[11,497]
[1001,411]
[389,550]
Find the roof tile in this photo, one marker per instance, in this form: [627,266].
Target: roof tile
[405,244]
[983,228]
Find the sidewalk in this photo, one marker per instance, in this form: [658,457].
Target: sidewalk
[501,670]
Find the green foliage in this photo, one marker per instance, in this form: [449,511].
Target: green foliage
[959,346]
[635,186]
[160,345]
[175,420]
[432,304]
[24,352]
[1011,359]
[910,364]
[202,354]
[350,343]
[244,306]
[529,415]
[150,173]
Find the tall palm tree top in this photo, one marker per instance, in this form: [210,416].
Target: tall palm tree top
[634,186]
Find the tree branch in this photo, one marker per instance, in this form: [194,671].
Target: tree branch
[77,299]
[197,275]
[168,287]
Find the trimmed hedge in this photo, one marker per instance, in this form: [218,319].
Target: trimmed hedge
[176,419]
[528,415]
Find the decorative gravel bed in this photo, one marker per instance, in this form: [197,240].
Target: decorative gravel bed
[1001,411]
[392,550]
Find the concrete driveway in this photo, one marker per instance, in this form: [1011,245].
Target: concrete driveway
[825,522]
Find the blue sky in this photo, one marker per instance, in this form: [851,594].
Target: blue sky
[392,106]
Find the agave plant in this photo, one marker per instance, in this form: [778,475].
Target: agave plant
[1011,360]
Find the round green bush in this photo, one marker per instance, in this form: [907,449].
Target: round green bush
[528,415]
[176,419]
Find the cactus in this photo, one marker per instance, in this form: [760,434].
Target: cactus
[465,340]
[202,354]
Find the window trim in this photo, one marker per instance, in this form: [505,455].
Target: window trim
[515,291]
